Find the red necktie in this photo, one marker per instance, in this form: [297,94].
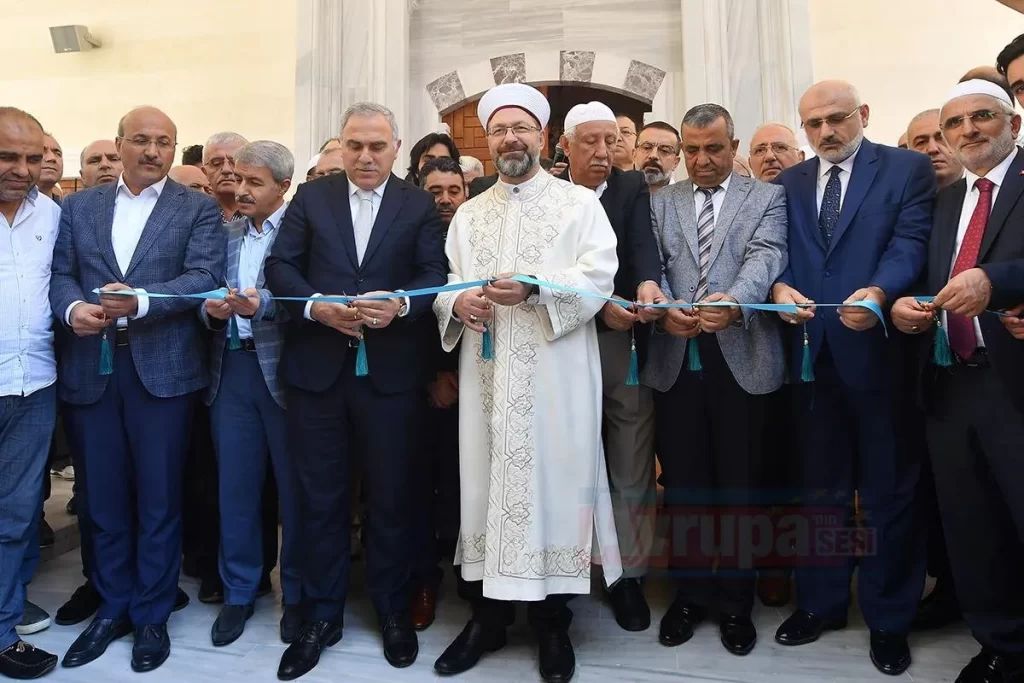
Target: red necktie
[959,328]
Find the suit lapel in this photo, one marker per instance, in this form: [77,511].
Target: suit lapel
[686,211]
[166,206]
[739,188]
[865,168]
[945,229]
[807,191]
[338,198]
[390,204]
[1009,194]
[235,238]
[272,237]
[105,228]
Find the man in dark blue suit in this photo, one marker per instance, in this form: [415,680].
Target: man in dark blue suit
[356,375]
[130,373]
[859,222]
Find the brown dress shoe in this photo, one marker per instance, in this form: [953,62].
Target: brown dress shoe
[421,611]
[773,590]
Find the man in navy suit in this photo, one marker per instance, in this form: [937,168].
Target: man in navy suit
[130,373]
[361,232]
[859,222]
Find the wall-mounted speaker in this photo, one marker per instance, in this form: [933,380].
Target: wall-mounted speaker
[72,39]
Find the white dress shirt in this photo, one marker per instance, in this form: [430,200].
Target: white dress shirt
[600,188]
[717,199]
[997,175]
[27,362]
[131,213]
[251,255]
[824,166]
[353,203]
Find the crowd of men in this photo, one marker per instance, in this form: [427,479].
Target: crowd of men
[198,335]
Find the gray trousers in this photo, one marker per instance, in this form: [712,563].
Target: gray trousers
[629,452]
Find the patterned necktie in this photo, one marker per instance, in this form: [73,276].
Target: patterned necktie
[831,201]
[705,236]
[363,222]
[959,328]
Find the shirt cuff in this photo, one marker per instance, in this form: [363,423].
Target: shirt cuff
[405,311]
[67,313]
[309,307]
[143,308]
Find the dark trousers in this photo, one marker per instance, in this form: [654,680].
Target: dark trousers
[710,441]
[81,494]
[779,479]
[437,489]
[854,441]
[975,435]
[549,614]
[327,431]
[133,447]
[248,426]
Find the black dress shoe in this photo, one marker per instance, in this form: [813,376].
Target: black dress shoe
[291,623]
[151,649]
[400,643]
[630,606]
[889,652]
[94,640]
[557,659]
[938,609]
[22,662]
[467,648]
[678,623]
[991,667]
[71,507]
[738,634]
[304,653]
[82,604]
[803,627]
[211,591]
[266,587]
[230,624]
[181,601]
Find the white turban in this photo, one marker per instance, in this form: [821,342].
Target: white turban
[585,113]
[978,86]
[514,95]
[312,163]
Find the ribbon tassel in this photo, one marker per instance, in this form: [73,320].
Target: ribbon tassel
[807,367]
[633,377]
[942,354]
[234,343]
[362,366]
[106,354]
[487,345]
[693,363]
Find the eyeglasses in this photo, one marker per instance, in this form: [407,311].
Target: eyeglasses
[976,117]
[141,142]
[663,150]
[519,131]
[832,119]
[778,148]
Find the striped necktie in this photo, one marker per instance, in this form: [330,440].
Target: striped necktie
[705,236]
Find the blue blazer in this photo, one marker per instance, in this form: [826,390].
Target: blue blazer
[881,240]
[316,252]
[181,250]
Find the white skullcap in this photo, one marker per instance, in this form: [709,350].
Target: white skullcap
[585,113]
[514,95]
[312,163]
[978,86]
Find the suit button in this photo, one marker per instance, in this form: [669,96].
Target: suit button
[827,273]
[360,281]
[692,288]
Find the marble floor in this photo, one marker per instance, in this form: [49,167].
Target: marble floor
[604,652]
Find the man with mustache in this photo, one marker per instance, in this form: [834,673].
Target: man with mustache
[534,489]
[657,154]
[100,164]
[591,142]
[975,407]
[53,168]
[773,149]
[130,373]
[626,144]
[859,218]
[219,165]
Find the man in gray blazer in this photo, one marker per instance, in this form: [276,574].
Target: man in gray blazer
[722,238]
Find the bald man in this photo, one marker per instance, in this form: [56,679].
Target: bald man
[330,162]
[100,163]
[130,374]
[773,149]
[902,142]
[859,220]
[191,176]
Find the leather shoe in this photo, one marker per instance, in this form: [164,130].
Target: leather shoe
[291,623]
[181,601]
[678,623]
[400,643]
[774,591]
[211,591]
[304,653]
[557,659]
[630,606]
[991,667]
[467,648]
[152,647]
[803,627]
[94,640]
[230,624]
[23,662]
[82,604]
[938,609]
[423,607]
[889,652]
[738,634]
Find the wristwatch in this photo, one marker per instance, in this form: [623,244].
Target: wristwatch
[402,306]
[533,295]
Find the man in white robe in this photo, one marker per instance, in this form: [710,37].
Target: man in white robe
[534,488]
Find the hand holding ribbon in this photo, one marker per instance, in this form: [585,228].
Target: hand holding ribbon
[617,316]
[377,313]
[473,309]
[506,291]
[1014,323]
[911,316]
[968,294]
[786,295]
[682,322]
[858,318]
[244,303]
[717,318]
[646,294]
[341,317]
[118,306]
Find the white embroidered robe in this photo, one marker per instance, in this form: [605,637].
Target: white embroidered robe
[534,488]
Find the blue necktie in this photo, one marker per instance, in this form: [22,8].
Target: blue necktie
[828,216]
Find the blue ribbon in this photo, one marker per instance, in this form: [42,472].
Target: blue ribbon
[931,300]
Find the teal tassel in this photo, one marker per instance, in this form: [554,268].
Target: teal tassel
[106,355]
[942,355]
[694,360]
[487,345]
[234,343]
[362,367]
[633,378]
[807,367]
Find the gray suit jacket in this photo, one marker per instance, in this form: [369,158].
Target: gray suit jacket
[747,255]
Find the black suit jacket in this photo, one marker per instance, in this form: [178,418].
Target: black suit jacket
[482,184]
[316,253]
[1002,259]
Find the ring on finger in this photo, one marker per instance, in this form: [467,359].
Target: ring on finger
[473,318]
[374,322]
